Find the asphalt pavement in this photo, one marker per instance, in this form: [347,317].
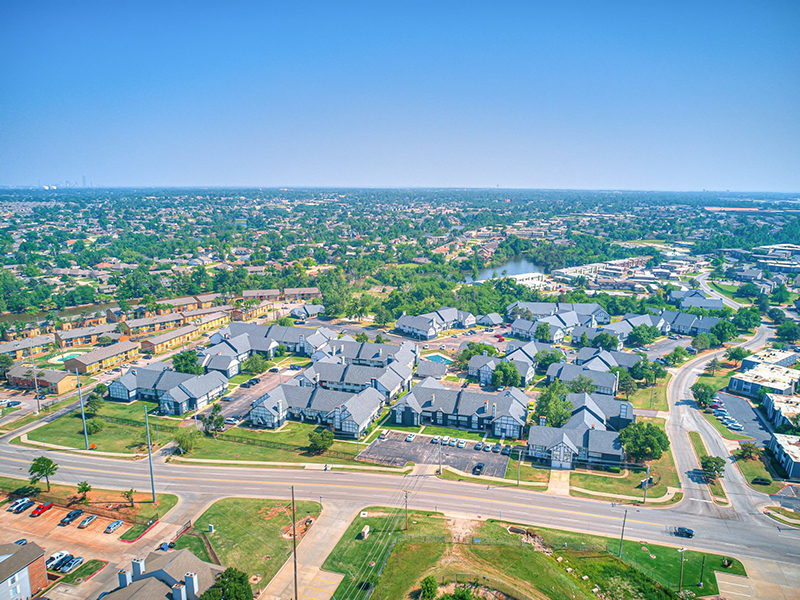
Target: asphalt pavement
[741,410]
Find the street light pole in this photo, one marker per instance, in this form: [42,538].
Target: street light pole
[622,535]
[406,510]
[646,484]
[83,414]
[680,581]
[150,455]
[519,465]
[294,545]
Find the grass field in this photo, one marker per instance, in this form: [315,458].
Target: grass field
[359,560]
[755,467]
[662,471]
[641,397]
[528,471]
[31,417]
[195,544]
[717,491]
[248,532]
[87,569]
[719,381]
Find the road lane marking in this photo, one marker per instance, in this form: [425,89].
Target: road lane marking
[737,584]
[735,593]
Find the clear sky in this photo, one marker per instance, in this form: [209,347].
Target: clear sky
[559,94]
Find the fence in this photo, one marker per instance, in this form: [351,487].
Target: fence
[43,497]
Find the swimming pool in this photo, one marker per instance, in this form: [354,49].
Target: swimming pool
[438,358]
[64,357]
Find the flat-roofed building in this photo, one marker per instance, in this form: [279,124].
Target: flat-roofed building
[770,356]
[781,409]
[765,378]
[786,449]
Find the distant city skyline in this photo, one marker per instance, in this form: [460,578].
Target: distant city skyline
[659,96]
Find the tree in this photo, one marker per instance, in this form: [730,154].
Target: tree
[320,442]
[83,489]
[581,385]
[281,350]
[747,318]
[104,340]
[713,467]
[701,342]
[713,366]
[542,333]
[545,358]
[429,587]
[781,295]
[606,341]
[129,495]
[724,331]
[101,389]
[232,584]
[627,384]
[788,331]
[213,421]
[6,362]
[642,335]
[584,340]
[186,362]
[506,374]
[42,467]
[255,364]
[473,349]
[362,337]
[748,451]
[677,356]
[644,441]
[553,405]
[94,403]
[737,354]
[748,290]
[703,393]
[186,439]
[776,315]
[94,426]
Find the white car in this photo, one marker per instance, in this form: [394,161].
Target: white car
[55,558]
[445,440]
[461,443]
[442,347]
[410,437]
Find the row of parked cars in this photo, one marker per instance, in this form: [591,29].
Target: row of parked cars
[461,443]
[718,407]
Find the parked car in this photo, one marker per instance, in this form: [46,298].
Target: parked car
[21,542]
[71,516]
[736,427]
[684,532]
[435,439]
[14,403]
[384,434]
[462,443]
[230,421]
[478,469]
[426,346]
[147,356]
[761,481]
[255,380]
[225,399]
[54,558]
[487,447]
[445,440]
[245,385]
[42,508]
[295,367]
[72,565]
[87,521]
[113,526]
[22,507]
[506,451]
[16,503]
[479,446]
[453,441]
[410,437]
[60,563]
[442,347]
[497,447]
[274,370]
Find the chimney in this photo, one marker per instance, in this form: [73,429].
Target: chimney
[485,405]
[124,577]
[138,568]
[433,398]
[179,591]
[192,586]
[542,421]
[279,406]
[485,353]
[494,409]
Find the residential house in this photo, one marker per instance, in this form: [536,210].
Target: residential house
[597,359]
[246,312]
[241,339]
[156,323]
[500,414]
[430,325]
[22,571]
[604,383]
[482,368]
[347,413]
[687,324]
[591,333]
[85,336]
[173,575]
[169,340]
[307,311]
[103,359]
[537,310]
[48,381]
[174,305]
[560,325]
[369,354]
[429,368]
[262,294]
[591,435]
[32,346]
[786,449]
[302,293]
[212,321]
[334,374]
[490,320]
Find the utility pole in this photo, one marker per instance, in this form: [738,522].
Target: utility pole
[680,581]
[519,465]
[150,455]
[83,414]
[702,570]
[440,456]
[646,484]
[294,544]
[406,511]
[622,535]
[36,384]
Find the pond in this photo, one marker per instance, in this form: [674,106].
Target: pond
[516,266]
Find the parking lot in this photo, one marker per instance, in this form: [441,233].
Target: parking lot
[395,451]
[741,410]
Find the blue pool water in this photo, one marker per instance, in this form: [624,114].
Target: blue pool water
[438,358]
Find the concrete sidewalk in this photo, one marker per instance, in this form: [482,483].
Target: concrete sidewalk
[313,583]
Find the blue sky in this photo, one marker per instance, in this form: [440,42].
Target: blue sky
[603,94]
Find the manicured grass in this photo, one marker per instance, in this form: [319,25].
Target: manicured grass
[462,434]
[404,428]
[248,532]
[664,567]
[452,476]
[31,417]
[729,291]
[148,511]
[717,491]
[724,431]
[360,560]
[85,570]
[195,544]
[755,467]
[241,378]
[641,397]
[719,381]
[528,471]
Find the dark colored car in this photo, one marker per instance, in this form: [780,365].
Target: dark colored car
[478,469]
[506,451]
[761,481]
[684,532]
[14,403]
[255,380]
[295,367]
[62,562]
[42,508]
[71,516]
[246,384]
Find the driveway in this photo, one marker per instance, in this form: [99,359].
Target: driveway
[741,410]
[396,451]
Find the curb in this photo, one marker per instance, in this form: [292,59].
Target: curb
[144,533]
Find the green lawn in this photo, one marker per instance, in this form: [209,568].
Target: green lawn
[717,491]
[662,471]
[528,471]
[719,381]
[248,532]
[241,378]
[507,482]
[641,398]
[195,544]
[359,560]
[31,417]
[664,567]
[724,431]
[462,434]
[85,570]
[755,467]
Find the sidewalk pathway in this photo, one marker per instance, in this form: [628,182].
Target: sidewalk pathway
[312,582]
[559,482]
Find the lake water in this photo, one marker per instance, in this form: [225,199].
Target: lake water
[516,266]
